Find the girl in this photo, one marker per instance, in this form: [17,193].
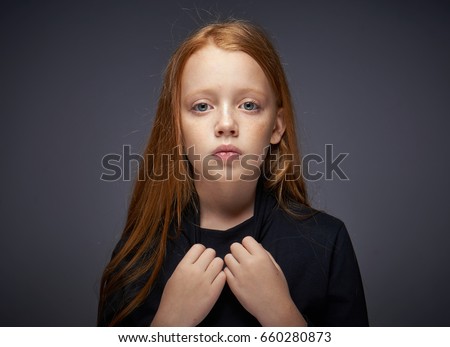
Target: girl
[227,237]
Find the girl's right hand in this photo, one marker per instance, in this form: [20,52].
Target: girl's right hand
[192,290]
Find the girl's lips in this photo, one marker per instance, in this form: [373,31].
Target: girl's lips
[227,149]
[226,155]
[225,152]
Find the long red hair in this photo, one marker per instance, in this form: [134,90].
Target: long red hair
[157,205]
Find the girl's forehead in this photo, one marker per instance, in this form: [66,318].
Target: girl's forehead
[211,53]
[211,66]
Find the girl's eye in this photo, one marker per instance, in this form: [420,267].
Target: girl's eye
[201,107]
[249,106]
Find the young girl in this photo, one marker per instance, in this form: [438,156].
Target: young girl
[227,237]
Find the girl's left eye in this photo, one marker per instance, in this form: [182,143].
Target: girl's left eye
[249,106]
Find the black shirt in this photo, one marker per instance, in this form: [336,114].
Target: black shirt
[315,254]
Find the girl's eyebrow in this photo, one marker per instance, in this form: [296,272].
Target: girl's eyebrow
[212,92]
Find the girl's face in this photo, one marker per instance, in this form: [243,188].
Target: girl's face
[229,114]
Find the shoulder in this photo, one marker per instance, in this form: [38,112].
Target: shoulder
[312,218]
[316,233]
[298,220]
[308,220]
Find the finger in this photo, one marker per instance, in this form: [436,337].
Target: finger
[251,245]
[205,258]
[273,261]
[229,275]
[218,283]
[239,252]
[214,268]
[231,263]
[193,254]
[231,280]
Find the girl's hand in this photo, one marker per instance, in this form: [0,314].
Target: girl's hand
[192,290]
[259,284]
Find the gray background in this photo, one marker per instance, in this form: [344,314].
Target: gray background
[80,80]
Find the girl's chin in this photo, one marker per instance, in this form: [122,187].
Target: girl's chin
[230,174]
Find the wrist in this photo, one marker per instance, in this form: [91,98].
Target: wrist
[162,319]
[158,322]
[170,318]
[286,314]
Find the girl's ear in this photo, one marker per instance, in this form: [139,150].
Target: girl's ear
[278,128]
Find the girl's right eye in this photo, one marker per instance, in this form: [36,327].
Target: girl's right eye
[201,107]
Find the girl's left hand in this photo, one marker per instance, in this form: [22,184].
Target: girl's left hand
[259,284]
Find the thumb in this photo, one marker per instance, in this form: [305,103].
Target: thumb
[274,262]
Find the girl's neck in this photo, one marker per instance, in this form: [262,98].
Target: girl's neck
[224,205]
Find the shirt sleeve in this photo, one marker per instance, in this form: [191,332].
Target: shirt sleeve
[346,305]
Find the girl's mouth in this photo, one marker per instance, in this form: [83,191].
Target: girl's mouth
[227,152]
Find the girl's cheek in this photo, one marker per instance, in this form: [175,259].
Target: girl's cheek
[260,130]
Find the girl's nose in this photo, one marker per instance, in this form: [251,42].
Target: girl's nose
[226,124]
